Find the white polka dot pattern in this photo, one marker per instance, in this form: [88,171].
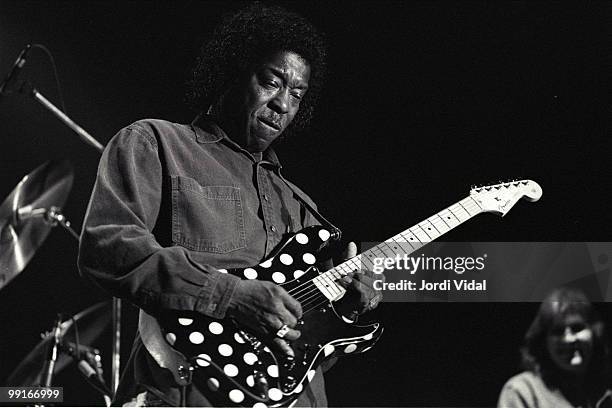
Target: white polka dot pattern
[273,371]
[266,264]
[301,238]
[286,259]
[249,358]
[350,348]
[275,394]
[324,235]
[234,354]
[250,381]
[236,396]
[215,328]
[213,384]
[230,370]
[171,338]
[278,277]
[225,350]
[347,320]
[196,337]
[250,273]
[309,258]
[203,360]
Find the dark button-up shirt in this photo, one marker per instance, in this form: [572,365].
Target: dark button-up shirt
[173,204]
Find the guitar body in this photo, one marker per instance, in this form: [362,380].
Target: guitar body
[234,367]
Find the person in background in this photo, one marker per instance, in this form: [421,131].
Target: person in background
[565,356]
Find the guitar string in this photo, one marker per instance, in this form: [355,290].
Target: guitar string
[338,269]
[465,204]
[310,284]
[457,206]
[335,272]
[315,307]
[315,298]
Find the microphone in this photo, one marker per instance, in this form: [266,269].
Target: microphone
[89,364]
[17,66]
[92,377]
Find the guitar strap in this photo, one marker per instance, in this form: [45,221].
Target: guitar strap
[336,232]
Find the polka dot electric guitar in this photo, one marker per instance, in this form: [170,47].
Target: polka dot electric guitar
[233,367]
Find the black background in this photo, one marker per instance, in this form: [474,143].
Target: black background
[424,100]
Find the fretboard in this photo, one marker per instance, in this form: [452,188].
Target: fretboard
[404,243]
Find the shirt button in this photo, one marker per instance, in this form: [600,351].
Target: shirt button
[273,228]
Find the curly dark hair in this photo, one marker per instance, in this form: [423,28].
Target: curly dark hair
[558,304]
[242,40]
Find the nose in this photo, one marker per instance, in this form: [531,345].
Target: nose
[280,102]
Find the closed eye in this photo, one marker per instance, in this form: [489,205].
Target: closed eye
[271,84]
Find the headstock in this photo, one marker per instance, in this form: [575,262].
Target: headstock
[500,198]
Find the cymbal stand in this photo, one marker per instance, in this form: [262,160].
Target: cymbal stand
[55,217]
[52,216]
[27,88]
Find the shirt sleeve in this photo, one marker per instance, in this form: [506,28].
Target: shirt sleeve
[118,249]
[512,397]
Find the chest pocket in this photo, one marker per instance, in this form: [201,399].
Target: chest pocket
[207,218]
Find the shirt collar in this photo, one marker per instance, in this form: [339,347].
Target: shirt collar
[207,131]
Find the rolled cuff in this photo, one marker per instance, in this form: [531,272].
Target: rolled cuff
[215,296]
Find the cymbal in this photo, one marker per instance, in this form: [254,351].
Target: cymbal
[23,222]
[91,323]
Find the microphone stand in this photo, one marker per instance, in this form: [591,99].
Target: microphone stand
[28,88]
[52,353]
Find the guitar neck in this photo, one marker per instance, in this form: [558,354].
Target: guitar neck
[406,242]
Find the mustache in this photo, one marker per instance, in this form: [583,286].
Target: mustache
[272,120]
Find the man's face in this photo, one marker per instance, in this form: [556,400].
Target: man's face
[570,344]
[269,99]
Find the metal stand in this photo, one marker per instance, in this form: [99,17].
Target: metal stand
[115,366]
[61,220]
[86,137]
[49,367]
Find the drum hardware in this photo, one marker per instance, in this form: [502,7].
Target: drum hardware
[49,366]
[13,260]
[28,214]
[88,360]
[66,343]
